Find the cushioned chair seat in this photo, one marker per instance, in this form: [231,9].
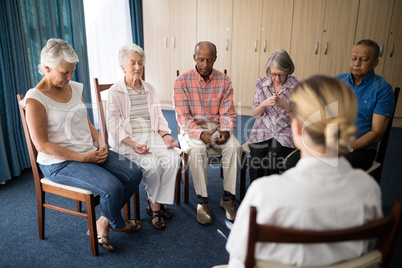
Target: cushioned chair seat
[45,180]
[369,260]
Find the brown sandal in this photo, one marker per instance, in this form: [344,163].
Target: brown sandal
[135,225]
[103,241]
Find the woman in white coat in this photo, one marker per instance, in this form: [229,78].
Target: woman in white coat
[138,130]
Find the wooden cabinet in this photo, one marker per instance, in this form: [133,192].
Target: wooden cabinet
[318,34]
[322,36]
[393,57]
[246,49]
[259,28]
[214,24]
[169,39]
[381,21]
[373,23]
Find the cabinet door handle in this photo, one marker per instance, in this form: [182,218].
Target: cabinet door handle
[392,51]
[382,47]
[172,42]
[165,42]
[316,48]
[255,46]
[227,44]
[265,45]
[326,48]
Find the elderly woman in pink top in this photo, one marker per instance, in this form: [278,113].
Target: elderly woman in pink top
[270,139]
[139,131]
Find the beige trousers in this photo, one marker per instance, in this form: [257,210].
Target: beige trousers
[199,153]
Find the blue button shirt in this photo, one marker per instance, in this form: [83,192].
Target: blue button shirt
[374,96]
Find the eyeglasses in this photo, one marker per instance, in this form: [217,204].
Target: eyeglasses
[277,75]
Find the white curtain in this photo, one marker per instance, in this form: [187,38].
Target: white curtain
[108,27]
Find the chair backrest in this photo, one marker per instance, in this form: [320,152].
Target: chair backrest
[101,110]
[387,228]
[31,148]
[384,141]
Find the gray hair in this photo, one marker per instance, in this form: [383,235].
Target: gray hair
[54,52]
[127,49]
[281,60]
[371,44]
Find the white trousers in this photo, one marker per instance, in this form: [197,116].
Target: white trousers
[159,168]
[199,153]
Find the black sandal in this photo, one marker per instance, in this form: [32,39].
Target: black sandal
[165,211]
[157,220]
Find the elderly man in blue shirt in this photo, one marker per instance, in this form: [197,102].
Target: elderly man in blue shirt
[375,103]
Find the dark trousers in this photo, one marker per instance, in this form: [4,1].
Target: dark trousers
[362,159]
[267,158]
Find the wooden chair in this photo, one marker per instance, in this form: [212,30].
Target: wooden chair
[386,228]
[214,158]
[376,169]
[101,104]
[43,185]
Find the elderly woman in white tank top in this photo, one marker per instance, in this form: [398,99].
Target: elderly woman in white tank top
[138,130]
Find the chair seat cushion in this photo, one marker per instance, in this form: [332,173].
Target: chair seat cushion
[45,180]
[368,260]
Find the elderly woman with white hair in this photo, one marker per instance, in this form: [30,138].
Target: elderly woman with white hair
[70,149]
[138,130]
[270,140]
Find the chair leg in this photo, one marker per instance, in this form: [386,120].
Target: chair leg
[40,199]
[136,204]
[185,177]
[92,224]
[177,187]
[243,169]
[127,212]
[79,206]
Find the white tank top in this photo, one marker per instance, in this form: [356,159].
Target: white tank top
[67,123]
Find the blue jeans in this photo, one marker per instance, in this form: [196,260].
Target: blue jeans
[115,181]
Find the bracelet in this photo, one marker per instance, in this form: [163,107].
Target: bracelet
[350,149]
[99,144]
[165,135]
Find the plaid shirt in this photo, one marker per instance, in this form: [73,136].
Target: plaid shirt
[274,122]
[198,102]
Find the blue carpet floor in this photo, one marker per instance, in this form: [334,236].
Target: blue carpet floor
[184,243]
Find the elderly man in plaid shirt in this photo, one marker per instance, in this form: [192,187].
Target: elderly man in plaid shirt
[203,99]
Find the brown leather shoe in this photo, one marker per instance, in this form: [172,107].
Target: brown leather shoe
[203,214]
[230,209]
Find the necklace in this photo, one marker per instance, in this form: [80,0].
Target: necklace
[139,90]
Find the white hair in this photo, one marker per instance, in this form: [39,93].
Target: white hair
[54,52]
[127,49]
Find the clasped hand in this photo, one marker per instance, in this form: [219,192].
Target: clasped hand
[276,100]
[97,157]
[207,137]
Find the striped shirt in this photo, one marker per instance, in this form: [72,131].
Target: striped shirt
[198,102]
[140,119]
[274,122]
